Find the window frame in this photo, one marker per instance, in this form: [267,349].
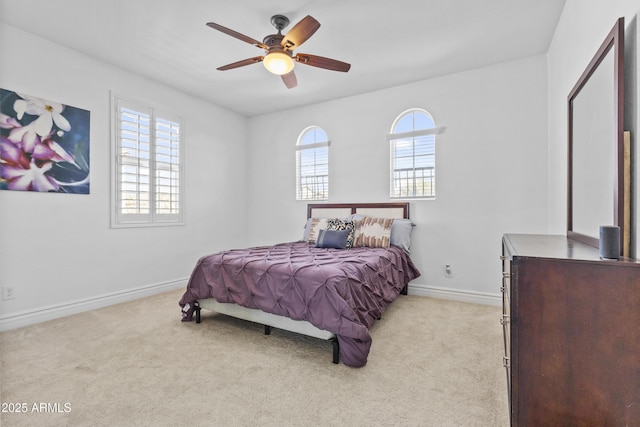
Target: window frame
[413,134]
[300,147]
[155,112]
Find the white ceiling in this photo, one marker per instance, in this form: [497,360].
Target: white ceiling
[387,43]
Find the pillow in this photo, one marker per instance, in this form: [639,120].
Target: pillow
[373,232]
[315,225]
[307,227]
[401,233]
[340,224]
[355,217]
[336,239]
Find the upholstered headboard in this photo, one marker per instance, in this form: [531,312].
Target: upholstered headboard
[342,210]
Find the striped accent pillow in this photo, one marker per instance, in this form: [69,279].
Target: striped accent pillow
[316,225]
[373,232]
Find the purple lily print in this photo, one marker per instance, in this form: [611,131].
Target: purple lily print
[44,145]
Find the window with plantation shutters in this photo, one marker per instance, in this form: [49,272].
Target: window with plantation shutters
[413,156]
[312,165]
[148,167]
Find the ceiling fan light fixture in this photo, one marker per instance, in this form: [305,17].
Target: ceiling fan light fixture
[278,63]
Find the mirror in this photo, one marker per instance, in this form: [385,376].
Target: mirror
[596,185]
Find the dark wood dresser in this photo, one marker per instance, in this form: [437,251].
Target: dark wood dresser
[571,333]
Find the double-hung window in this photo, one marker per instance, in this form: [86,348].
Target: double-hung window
[413,156]
[148,183]
[312,161]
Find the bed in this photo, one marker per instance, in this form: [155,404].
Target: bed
[351,263]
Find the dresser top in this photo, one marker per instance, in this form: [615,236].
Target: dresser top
[553,246]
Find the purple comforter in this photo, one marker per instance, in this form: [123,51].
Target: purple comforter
[341,291]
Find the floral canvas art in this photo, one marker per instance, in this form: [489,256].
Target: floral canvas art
[44,145]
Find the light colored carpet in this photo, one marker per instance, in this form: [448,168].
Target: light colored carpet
[432,363]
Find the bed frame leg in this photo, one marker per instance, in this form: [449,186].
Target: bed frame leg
[196,309]
[267,330]
[405,290]
[336,350]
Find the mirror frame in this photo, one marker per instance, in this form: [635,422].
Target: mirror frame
[614,43]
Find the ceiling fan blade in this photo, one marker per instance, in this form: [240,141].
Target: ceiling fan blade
[300,33]
[290,80]
[322,62]
[237,35]
[242,63]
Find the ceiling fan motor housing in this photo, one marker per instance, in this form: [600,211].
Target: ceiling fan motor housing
[273,41]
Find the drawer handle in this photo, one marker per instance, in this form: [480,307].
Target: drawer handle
[504,319]
[505,362]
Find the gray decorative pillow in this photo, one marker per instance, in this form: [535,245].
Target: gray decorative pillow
[341,224]
[336,239]
[401,233]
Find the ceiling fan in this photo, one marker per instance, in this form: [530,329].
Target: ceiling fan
[279,57]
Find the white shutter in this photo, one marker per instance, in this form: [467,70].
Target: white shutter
[133,159]
[148,184]
[168,171]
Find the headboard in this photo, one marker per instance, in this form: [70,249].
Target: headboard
[342,210]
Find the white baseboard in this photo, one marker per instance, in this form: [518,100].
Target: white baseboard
[475,297]
[25,318]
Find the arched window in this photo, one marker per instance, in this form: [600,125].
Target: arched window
[312,165]
[413,155]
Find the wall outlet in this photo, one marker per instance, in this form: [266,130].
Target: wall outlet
[8,292]
[448,270]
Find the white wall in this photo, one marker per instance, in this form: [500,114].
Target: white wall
[580,32]
[491,166]
[58,249]
[501,167]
